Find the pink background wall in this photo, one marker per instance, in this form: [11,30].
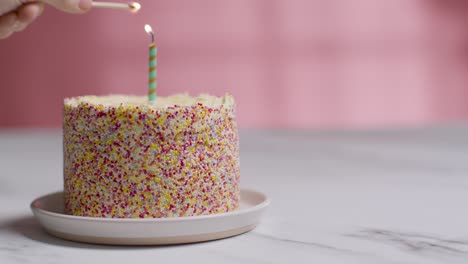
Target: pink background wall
[289,63]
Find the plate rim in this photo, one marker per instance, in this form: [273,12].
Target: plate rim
[265,203]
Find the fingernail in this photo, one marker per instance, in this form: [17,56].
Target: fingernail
[84,5]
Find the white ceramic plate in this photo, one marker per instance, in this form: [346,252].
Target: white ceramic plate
[49,212]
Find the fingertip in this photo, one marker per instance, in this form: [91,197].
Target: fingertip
[29,12]
[85,5]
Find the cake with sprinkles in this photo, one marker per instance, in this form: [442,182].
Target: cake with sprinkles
[125,157]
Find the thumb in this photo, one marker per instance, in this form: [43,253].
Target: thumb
[70,6]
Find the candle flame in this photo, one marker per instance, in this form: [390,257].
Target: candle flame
[134,7]
[148,29]
[150,32]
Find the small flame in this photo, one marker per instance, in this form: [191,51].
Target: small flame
[134,7]
[148,29]
[150,32]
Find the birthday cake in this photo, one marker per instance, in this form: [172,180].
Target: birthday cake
[125,157]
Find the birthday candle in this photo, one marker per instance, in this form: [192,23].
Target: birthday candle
[153,63]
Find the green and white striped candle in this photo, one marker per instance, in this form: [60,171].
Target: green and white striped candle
[153,64]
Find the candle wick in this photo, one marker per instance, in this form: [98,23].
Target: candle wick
[152,37]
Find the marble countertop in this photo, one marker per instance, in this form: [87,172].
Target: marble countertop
[337,197]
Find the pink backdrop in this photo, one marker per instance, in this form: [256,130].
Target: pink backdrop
[289,63]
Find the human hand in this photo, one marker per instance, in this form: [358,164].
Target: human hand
[16,15]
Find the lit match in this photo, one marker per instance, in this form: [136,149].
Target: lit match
[132,7]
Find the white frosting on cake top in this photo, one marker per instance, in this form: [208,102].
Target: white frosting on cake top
[161,102]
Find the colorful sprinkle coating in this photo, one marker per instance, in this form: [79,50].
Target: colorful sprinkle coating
[129,160]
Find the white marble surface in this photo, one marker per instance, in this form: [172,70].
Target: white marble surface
[360,197]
